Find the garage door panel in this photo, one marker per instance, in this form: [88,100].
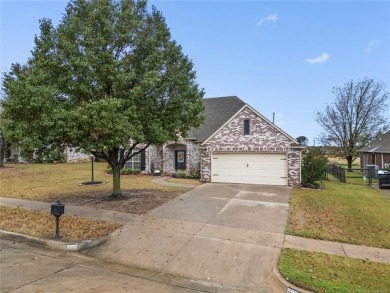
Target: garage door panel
[250,168]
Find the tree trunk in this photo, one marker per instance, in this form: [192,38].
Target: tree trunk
[2,155]
[349,160]
[116,182]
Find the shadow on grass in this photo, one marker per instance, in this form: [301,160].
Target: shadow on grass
[137,201]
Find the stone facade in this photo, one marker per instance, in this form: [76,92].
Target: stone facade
[263,138]
[73,156]
[163,157]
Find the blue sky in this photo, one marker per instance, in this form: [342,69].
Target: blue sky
[281,57]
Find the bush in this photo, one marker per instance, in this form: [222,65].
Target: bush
[186,175]
[314,166]
[124,171]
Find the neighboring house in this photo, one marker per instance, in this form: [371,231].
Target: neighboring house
[377,152]
[235,144]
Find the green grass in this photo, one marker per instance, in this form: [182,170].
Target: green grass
[322,273]
[341,212]
[50,181]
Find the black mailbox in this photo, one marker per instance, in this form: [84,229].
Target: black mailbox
[57,209]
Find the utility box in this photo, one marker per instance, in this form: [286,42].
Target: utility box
[372,171]
[384,179]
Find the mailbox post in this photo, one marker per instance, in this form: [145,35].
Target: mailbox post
[57,210]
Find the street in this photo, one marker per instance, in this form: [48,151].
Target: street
[27,268]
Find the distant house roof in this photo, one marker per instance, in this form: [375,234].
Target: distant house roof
[217,112]
[380,145]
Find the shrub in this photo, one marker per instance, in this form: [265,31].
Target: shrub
[184,174]
[314,166]
[124,171]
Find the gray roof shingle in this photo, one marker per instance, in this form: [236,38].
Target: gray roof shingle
[217,112]
[380,145]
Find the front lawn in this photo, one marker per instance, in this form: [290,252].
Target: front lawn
[52,181]
[322,273]
[341,212]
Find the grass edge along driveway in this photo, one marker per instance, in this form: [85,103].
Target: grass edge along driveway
[325,273]
[339,212]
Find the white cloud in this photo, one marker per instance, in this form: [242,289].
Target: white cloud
[371,45]
[324,57]
[272,18]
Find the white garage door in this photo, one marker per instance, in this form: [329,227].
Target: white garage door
[270,169]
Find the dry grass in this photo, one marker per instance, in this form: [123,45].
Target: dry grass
[343,162]
[42,225]
[341,212]
[47,182]
[184,181]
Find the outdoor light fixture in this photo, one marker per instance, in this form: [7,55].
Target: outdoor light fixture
[57,210]
[92,182]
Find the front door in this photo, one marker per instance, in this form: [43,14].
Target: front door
[180,160]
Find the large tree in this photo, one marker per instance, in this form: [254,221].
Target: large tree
[355,116]
[108,79]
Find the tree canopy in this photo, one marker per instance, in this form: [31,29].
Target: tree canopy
[108,79]
[355,117]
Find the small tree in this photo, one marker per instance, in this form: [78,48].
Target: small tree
[355,117]
[109,80]
[314,164]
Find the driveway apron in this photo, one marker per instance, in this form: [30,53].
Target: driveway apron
[228,234]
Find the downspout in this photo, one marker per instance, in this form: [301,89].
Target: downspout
[382,162]
[300,167]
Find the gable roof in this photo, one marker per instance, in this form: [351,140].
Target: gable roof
[217,112]
[380,145]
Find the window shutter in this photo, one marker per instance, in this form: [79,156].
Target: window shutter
[143,160]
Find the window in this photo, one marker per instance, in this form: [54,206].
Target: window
[134,163]
[246,126]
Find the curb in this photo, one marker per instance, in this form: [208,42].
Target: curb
[52,244]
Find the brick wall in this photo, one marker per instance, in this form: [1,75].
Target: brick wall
[263,138]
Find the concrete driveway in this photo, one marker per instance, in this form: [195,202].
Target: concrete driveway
[225,234]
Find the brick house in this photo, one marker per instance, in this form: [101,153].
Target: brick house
[235,144]
[377,152]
